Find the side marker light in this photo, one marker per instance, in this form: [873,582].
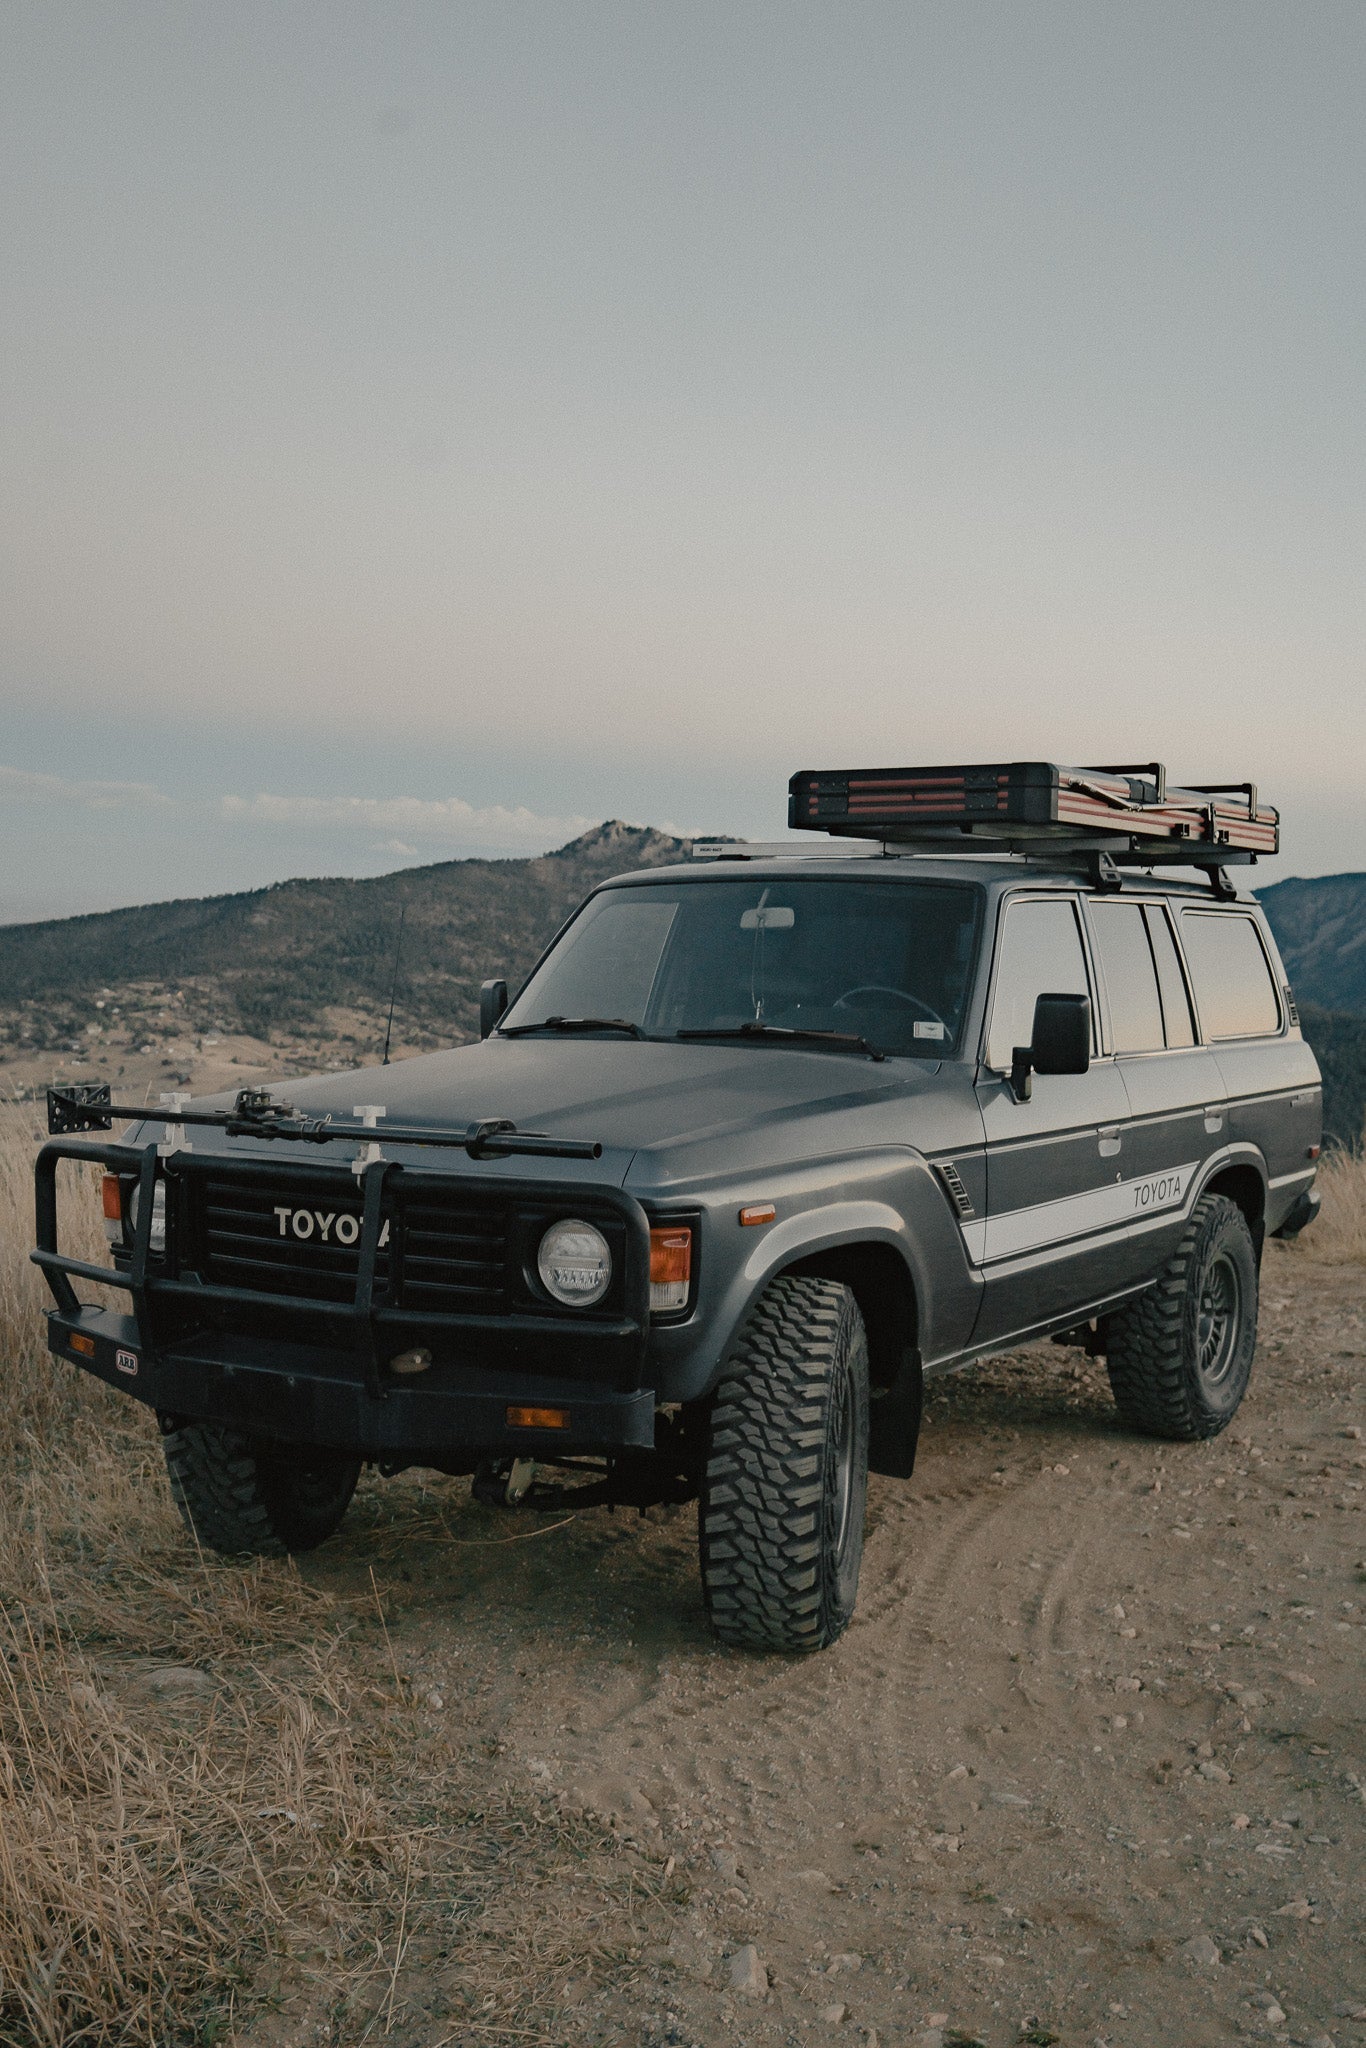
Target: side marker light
[1312,1151]
[85,1345]
[758,1212]
[538,1418]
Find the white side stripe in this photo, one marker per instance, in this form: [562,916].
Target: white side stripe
[1125,1201]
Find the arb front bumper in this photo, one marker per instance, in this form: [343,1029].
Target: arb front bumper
[294,1393]
[246,1310]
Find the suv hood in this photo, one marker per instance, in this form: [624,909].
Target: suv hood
[632,1096]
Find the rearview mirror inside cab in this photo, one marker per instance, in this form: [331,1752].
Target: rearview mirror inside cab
[1061,1043]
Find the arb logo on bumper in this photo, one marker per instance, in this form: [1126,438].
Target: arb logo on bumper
[127,1361]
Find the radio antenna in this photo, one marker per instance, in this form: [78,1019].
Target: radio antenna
[393,986]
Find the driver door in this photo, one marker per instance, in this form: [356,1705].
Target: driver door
[1051,1161]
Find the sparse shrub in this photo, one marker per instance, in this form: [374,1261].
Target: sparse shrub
[1338,1237]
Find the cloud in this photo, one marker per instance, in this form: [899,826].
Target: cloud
[401,825]
[441,821]
[21,785]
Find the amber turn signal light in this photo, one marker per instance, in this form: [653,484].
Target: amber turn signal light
[670,1254]
[670,1266]
[758,1212]
[111,1194]
[85,1345]
[538,1418]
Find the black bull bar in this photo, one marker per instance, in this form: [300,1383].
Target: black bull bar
[586,1367]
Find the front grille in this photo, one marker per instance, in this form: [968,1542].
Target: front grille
[446,1255]
[454,1256]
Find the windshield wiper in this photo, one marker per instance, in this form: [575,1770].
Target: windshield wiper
[575,1024]
[782,1034]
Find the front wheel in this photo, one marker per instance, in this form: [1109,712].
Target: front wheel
[1180,1357]
[245,1498]
[786,1481]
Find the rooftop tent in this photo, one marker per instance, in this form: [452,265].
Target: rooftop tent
[1129,813]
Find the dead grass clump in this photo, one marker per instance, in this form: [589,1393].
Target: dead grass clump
[45,1402]
[158,1597]
[1338,1236]
[151,1849]
[218,1799]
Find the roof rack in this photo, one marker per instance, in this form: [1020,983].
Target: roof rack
[1114,816]
[781,849]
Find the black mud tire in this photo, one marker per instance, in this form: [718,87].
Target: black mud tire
[1180,1356]
[245,1498]
[785,1487]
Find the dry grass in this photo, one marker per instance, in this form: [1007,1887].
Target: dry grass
[219,1810]
[1338,1236]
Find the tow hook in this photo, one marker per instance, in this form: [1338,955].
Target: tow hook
[504,1482]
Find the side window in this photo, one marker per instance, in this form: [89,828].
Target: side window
[1234,991]
[1126,965]
[1040,954]
[1176,1003]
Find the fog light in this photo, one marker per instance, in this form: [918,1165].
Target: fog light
[670,1267]
[417,1360]
[575,1263]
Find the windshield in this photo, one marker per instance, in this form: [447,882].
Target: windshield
[888,961]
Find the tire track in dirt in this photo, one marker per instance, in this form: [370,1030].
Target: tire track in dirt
[885,1680]
[954,1793]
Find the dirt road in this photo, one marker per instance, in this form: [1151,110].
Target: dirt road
[1087,1768]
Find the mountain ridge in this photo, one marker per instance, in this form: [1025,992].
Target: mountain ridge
[270,959]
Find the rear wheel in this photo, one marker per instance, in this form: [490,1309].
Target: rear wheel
[1180,1357]
[245,1498]
[786,1481]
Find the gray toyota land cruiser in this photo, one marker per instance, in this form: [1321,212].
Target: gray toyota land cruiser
[763,1141]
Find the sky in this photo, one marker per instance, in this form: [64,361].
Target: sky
[428,429]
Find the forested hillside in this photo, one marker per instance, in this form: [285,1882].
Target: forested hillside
[271,961]
[1320,927]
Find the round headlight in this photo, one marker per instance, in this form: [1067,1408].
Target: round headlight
[575,1263]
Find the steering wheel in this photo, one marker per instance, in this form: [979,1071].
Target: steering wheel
[900,995]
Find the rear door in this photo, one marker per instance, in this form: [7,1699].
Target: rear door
[1176,1117]
[1051,1171]
[1269,1073]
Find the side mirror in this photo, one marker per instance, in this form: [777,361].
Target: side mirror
[493,1000]
[1061,1043]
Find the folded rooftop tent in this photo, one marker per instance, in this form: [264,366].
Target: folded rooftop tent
[1128,813]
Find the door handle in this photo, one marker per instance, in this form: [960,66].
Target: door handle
[1110,1141]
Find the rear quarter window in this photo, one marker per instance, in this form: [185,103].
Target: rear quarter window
[1234,991]
[1126,962]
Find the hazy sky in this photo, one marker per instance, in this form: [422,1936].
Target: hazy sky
[426,428]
